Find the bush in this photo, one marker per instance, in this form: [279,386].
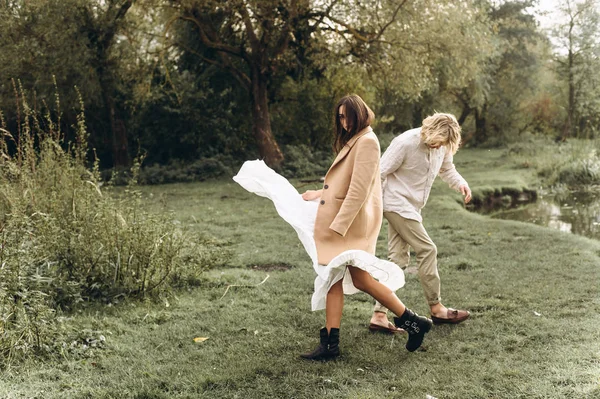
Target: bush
[65,239]
[571,163]
[202,169]
[175,172]
[580,172]
[301,161]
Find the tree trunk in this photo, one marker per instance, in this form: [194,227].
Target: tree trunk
[480,126]
[568,128]
[101,31]
[417,115]
[267,146]
[464,114]
[571,111]
[118,132]
[119,138]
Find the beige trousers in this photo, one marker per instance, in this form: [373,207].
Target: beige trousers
[402,234]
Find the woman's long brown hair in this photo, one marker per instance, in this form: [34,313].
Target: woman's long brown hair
[358,117]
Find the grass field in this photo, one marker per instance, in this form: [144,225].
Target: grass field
[534,295]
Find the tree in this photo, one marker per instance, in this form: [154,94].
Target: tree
[438,48]
[577,56]
[499,95]
[254,40]
[101,25]
[52,46]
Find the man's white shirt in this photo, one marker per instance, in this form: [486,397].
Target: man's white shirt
[408,169]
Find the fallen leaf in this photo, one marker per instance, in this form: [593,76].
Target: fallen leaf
[200,339]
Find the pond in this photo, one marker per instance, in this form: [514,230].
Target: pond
[576,212]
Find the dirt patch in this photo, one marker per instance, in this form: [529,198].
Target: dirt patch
[464,266]
[268,267]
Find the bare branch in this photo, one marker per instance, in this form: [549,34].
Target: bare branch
[123,10]
[327,11]
[391,21]
[284,37]
[351,30]
[243,285]
[205,39]
[367,37]
[109,34]
[225,64]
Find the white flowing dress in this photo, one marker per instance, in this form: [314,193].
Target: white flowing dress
[258,178]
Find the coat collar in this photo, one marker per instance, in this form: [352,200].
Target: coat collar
[346,149]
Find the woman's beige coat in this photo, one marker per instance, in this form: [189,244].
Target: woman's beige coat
[350,209]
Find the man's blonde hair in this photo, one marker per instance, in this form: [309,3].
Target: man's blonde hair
[441,129]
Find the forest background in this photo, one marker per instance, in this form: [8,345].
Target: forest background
[198,86]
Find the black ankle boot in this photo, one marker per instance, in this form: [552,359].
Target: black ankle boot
[416,326]
[329,346]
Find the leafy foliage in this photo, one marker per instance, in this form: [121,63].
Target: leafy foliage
[177,80]
[569,164]
[66,239]
[576,63]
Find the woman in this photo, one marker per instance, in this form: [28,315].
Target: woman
[349,217]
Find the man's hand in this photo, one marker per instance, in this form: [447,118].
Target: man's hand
[311,195]
[466,191]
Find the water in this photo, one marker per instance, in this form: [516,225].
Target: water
[574,212]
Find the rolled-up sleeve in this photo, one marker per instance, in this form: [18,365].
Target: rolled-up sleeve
[449,174]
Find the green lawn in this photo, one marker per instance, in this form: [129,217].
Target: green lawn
[533,293]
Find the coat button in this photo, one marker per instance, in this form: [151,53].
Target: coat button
[322,202]
[326,187]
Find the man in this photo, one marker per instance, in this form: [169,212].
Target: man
[408,169]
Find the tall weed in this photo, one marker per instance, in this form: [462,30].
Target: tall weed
[572,163]
[65,239]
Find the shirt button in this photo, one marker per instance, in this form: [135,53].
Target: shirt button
[322,202]
[326,187]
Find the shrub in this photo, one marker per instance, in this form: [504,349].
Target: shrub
[65,239]
[200,170]
[572,163]
[302,161]
[580,172]
[175,172]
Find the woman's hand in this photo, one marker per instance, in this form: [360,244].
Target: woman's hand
[311,195]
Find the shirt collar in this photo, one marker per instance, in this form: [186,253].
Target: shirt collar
[424,147]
